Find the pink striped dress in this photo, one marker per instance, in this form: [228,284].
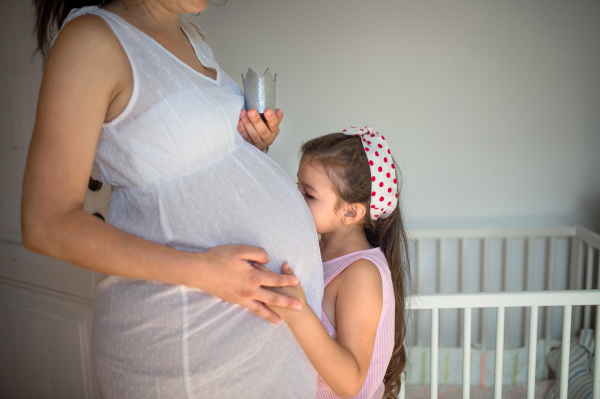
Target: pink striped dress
[384,339]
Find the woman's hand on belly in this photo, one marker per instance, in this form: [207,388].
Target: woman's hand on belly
[256,131]
[295,291]
[229,275]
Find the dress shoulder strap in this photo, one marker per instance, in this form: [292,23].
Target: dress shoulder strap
[194,26]
[332,268]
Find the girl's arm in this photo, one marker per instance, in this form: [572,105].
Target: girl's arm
[88,80]
[342,363]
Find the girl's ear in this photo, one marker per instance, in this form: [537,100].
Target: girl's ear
[353,214]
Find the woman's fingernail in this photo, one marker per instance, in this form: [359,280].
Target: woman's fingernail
[252,114]
[269,113]
[297,306]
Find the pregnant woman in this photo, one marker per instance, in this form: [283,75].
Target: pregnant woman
[131,90]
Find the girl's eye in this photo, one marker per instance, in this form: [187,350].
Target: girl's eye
[307,195]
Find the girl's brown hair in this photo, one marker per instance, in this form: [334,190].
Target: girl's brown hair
[344,160]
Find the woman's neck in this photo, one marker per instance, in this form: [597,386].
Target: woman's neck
[342,242]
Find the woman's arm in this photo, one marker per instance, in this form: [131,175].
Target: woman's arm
[88,80]
[342,362]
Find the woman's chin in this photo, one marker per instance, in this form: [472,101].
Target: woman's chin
[194,6]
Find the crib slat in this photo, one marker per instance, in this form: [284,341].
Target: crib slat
[549,287]
[528,286]
[576,280]
[507,262]
[498,369]
[402,394]
[588,285]
[564,357]
[435,318]
[440,266]
[507,255]
[484,285]
[417,328]
[466,363]
[531,361]
[529,276]
[597,357]
[463,265]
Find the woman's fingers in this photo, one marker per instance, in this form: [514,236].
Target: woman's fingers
[271,274]
[260,128]
[286,269]
[254,254]
[273,120]
[238,275]
[243,131]
[269,278]
[272,298]
[262,311]
[250,120]
[256,131]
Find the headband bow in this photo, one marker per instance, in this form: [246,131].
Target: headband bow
[384,186]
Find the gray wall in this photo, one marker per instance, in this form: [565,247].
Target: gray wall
[20,78]
[492,109]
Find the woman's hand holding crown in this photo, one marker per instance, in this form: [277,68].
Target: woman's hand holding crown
[255,131]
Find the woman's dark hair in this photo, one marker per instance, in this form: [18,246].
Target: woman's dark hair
[345,162]
[49,17]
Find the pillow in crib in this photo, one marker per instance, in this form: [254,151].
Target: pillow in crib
[581,373]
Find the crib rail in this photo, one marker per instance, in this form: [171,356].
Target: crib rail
[500,301]
[497,249]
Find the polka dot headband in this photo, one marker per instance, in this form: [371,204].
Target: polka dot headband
[384,186]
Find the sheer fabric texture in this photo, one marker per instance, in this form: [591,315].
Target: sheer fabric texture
[184,177]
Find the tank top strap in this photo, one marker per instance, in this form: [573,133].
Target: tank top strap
[78,12]
[132,39]
[332,268]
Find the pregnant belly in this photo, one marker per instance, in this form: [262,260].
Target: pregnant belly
[193,341]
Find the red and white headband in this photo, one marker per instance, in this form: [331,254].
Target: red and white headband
[384,186]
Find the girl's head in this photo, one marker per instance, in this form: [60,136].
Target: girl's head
[329,210]
[335,178]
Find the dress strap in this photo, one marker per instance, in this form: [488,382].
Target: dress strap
[74,13]
[332,268]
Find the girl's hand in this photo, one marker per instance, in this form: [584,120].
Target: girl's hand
[292,291]
[255,131]
[232,278]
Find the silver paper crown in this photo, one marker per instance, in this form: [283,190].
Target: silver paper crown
[259,93]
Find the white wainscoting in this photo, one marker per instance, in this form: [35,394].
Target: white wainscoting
[45,327]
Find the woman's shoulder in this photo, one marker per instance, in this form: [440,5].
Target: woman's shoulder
[88,36]
[88,40]
[90,26]
[86,57]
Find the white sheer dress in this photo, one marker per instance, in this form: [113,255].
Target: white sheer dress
[184,177]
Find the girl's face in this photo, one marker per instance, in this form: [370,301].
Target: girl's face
[315,186]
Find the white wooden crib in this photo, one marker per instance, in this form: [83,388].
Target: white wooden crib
[548,278]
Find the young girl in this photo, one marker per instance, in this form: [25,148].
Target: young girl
[349,183]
